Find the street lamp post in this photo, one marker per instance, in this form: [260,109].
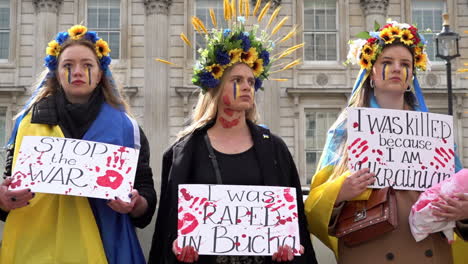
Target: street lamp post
[447,49]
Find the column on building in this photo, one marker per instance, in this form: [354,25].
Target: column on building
[374,11]
[46,29]
[156,81]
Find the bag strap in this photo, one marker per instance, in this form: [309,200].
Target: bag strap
[214,161]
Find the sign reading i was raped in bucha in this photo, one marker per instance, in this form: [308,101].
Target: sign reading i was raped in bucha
[75,167]
[237,219]
[408,150]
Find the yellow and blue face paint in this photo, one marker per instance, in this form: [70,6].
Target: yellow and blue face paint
[68,74]
[236,90]
[406,74]
[88,74]
[385,71]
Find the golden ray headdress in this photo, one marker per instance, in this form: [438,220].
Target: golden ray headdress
[240,43]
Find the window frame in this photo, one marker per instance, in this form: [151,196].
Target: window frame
[439,62]
[302,159]
[125,41]
[10,62]
[337,34]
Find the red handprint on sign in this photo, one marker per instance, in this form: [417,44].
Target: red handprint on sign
[113,177]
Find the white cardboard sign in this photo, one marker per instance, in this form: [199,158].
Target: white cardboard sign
[408,150]
[237,219]
[75,167]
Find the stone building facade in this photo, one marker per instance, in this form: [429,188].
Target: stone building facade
[300,110]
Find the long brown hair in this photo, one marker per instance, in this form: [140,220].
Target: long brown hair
[363,100]
[207,107]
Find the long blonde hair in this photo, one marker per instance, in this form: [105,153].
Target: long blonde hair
[207,107]
[51,85]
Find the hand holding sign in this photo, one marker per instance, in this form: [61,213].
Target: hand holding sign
[10,200]
[354,185]
[75,167]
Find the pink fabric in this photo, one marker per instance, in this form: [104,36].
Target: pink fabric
[422,221]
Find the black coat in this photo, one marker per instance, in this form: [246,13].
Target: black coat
[277,170]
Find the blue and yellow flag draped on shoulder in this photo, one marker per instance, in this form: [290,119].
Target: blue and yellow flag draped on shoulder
[70,229]
[325,185]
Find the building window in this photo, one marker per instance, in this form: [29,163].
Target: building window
[320,30]
[428,14]
[4,29]
[202,11]
[104,18]
[317,124]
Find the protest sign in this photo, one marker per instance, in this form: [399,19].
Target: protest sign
[237,219]
[75,167]
[408,150]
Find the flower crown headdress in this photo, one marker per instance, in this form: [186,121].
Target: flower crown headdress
[365,51]
[75,33]
[240,43]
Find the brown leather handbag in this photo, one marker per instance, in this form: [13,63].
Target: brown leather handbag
[361,221]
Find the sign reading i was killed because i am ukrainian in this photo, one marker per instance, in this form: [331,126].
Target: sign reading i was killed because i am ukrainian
[408,150]
[75,167]
[237,219]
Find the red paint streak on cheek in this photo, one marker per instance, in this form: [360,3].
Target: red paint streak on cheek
[226,100]
[288,196]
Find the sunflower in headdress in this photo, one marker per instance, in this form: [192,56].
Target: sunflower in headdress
[365,63]
[257,67]
[77,32]
[369,51]
[420,61]
[102,48]
[216,69]
[53,48]
[235,55]
[387,36]
[406,37]
[250,56]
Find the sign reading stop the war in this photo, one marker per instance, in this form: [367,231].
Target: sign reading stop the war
[75,167]
[408,150]
[237,219]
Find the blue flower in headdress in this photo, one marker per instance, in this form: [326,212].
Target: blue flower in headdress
[375,34]
[105,61]
[207,80]
[258,83]
[222,57]
[245,41]
[50,62]
[226,32]
[265,56]
[91,36]
[61,37]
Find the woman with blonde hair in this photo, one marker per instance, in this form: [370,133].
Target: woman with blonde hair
[224,145]
[76,98]
[388,58]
